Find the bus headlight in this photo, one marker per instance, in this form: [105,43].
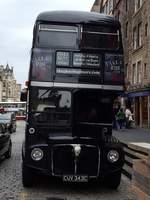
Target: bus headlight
[113,156]
[37,154]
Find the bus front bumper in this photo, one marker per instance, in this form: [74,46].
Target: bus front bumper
[73,162]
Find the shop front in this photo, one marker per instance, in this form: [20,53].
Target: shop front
[140,105]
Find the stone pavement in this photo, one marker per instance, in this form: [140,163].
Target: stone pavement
[136,136]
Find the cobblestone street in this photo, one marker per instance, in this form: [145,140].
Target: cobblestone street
[11,186]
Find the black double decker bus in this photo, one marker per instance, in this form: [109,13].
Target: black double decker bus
[76,72]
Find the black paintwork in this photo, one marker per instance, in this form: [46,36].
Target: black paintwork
[56,141]
[77,17]
[58,150]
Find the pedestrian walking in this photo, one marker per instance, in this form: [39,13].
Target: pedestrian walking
[129,118]
[114,119]
[120,118]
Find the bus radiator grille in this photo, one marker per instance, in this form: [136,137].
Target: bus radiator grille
[65,161]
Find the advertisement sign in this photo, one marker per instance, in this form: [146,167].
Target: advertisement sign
[81,64]
[114,70]
[41,65]
[78,71]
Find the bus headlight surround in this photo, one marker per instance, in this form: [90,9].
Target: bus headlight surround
[37,154]
[105,130]
[113,156]
[31,130]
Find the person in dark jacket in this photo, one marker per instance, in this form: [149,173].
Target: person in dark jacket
[114,113]
[120,118]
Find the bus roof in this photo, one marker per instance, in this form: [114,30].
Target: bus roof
[77,17]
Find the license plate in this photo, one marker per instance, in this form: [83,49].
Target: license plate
[75,178]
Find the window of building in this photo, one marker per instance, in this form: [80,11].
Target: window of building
[138,4]
[96,2]
[126,70]
[110,5]
[134,74]
[139,35]
[126,5]
[118,15]
[134,38]
[106,5]
[102,10]
[146,29]
[145,70]
[126,30]
[138,72]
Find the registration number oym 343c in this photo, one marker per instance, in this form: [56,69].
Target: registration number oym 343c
[75,178]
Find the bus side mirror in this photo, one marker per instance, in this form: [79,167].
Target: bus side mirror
[23,96]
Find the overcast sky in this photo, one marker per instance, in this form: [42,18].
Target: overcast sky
[17,18]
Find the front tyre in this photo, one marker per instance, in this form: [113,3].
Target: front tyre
[113,180]
[27,176]
[8,153]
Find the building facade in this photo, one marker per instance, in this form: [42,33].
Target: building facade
[9,89]
[96,6]
[135,20]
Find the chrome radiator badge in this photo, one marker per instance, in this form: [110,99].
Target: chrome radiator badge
[77,149]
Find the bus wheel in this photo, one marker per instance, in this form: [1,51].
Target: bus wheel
[27,176]
[113,180]
[8,153]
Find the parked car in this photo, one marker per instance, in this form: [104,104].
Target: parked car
[5,142]
[9,119]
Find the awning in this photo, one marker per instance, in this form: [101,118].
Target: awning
[139,94]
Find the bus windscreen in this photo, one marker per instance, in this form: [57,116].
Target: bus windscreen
[51,106]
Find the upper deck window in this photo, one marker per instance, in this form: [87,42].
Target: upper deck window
[106,38]
[57,36]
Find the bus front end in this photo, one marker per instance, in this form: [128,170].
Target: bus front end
[76,73]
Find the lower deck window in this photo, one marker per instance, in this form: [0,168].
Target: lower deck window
[51,106]
[92,107]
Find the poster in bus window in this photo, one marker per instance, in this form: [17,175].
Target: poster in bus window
[86,60]
[114,69]
[41,65]
[62,58]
